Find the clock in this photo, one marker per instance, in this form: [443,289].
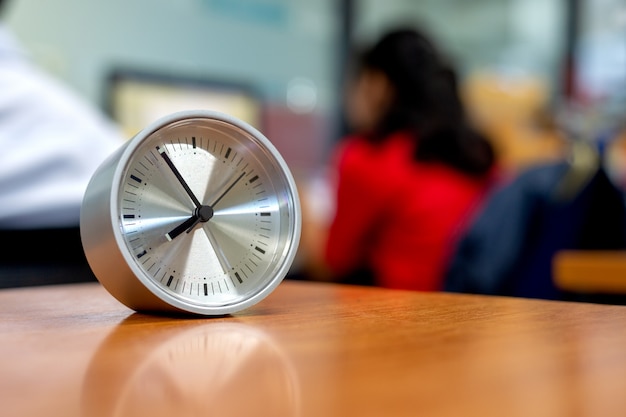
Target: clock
[198,213]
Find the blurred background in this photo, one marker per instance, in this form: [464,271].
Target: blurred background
[280,64]
[535,74]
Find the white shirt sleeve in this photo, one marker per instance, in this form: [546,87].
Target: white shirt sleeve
[51,143]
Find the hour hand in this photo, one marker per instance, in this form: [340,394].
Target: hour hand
[186,225]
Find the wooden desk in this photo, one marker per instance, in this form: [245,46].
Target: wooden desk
[311,349]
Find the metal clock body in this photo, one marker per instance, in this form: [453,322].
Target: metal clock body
[197,213]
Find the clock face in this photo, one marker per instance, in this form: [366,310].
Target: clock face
[207,213]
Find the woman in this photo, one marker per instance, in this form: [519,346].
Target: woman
[411,173]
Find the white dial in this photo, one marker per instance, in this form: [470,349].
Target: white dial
[204,213]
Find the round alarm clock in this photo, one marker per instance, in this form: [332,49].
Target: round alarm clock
[197,213]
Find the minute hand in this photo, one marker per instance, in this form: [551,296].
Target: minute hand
[179,177]
[230,187]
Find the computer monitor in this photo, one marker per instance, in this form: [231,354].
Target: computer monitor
[136,98]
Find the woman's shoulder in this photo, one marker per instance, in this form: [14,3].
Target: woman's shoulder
[384,166]
[395,148]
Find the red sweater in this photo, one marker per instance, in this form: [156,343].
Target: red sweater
[396,216]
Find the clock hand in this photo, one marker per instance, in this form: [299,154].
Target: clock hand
[190,222]
[179,177]
[201,213]
[230,187]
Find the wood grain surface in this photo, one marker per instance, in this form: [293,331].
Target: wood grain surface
[311,349]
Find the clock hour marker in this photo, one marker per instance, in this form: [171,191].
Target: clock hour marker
[227,153]
[129,216]
[193,142]
[206,289]
[253,179]
[238,277]
[259,249]
[169,281]
[139,255]
[132,177]
[265,214]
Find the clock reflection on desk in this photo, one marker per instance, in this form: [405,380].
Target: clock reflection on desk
[214,369]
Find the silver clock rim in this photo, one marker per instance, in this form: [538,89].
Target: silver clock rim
[114,210]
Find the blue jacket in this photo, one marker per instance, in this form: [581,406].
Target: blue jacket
[509,248]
